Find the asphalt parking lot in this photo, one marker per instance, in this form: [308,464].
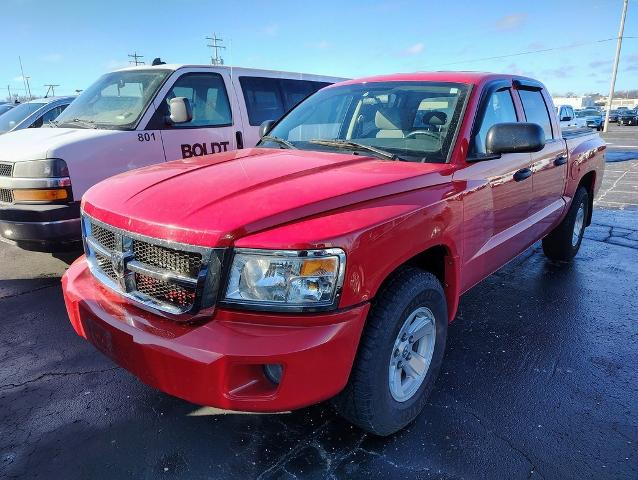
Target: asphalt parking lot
[539,381]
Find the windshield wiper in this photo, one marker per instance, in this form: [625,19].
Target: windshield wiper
[278,140]
[350,145]
[79,121]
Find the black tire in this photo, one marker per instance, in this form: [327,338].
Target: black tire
[558,245]
[366,401]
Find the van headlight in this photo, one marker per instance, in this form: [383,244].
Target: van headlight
[286,280]
[46,168]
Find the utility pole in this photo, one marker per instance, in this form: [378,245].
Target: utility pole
[28,88]
[216,46]
[25,80]
[614,70]
[9,90]
[50,88]
[135,58]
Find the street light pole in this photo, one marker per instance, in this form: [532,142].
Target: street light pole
[616,60]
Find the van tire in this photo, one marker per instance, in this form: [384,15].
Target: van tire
[367,400]
[561,244]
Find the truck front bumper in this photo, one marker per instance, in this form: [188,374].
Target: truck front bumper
[41,227]
[219,362]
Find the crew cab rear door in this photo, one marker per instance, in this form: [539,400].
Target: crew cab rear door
[214,109]
[496,207]
[549,166]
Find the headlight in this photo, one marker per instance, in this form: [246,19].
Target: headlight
[49,168]
[286,280]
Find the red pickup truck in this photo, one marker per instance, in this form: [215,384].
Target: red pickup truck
[327,261]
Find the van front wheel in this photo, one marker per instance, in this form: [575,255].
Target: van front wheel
[399,355]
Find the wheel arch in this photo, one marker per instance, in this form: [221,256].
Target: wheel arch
[440,261]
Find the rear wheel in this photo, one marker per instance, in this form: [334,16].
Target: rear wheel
[563,242]
[399,356]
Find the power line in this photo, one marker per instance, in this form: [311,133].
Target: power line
[135,58]
[530,52]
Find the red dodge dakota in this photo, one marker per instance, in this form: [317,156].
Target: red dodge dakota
[327,262]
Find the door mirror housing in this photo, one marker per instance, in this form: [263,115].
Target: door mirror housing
[266,127]
[518,137]
[180,111]
[565,119]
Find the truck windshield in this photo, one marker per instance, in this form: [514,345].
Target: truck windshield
[17,114]
[116,101]
[410,121]
[588,113]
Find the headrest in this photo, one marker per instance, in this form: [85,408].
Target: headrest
[435,118]
[388,119]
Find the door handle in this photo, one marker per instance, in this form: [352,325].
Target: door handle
[239,140]
[522,174]
[560,160]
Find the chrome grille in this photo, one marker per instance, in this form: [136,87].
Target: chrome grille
[5,169]
[6,196]
[185,263]
[165,276]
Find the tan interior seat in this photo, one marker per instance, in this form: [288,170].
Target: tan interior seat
[389,123]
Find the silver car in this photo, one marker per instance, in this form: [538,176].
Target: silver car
[33,114]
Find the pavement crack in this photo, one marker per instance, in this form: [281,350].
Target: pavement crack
[9,386]
[26,292]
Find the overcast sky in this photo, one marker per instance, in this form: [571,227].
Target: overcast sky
[72,42]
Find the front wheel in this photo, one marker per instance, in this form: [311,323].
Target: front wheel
[399,356]
[563,242]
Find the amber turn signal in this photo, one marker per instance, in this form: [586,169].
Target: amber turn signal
[44,195]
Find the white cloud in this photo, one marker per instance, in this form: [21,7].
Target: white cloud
[512,21]
[271,30]
[414,49]
[52,57]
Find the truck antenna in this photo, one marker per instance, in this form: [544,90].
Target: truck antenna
[136,58]
[216,45]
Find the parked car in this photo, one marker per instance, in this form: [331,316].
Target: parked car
[613,116]
[628,117]
[33,114]
[127,119]
[593,118]
[328,261]
[569,118]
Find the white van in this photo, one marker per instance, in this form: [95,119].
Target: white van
[568,118]
[127,119]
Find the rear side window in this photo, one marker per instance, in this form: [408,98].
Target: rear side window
[536,110]
[270,98]
[207,95]
[500,109]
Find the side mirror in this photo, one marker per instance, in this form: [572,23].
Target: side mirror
[565,119]
[180,111]
[516,137]
[265,127]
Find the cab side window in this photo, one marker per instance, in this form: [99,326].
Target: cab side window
[53,114]
[207,95]
[536,110]
[269,98]
[500,109]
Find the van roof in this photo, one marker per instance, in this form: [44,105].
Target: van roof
[178,66]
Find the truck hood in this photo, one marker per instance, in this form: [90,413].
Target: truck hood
[216,199]
[39,143]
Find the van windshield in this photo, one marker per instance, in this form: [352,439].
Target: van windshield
[410,121]
[116,101]
[16,115]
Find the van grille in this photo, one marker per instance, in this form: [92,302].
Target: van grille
[165,276]
[6,196]
[6,169]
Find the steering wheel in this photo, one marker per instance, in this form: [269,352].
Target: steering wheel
[423,132]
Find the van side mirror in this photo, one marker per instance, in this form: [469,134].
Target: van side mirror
[266,127]
[565,119]
[518,137]
[180,111]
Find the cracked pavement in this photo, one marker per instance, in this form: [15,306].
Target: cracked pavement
[539,381]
